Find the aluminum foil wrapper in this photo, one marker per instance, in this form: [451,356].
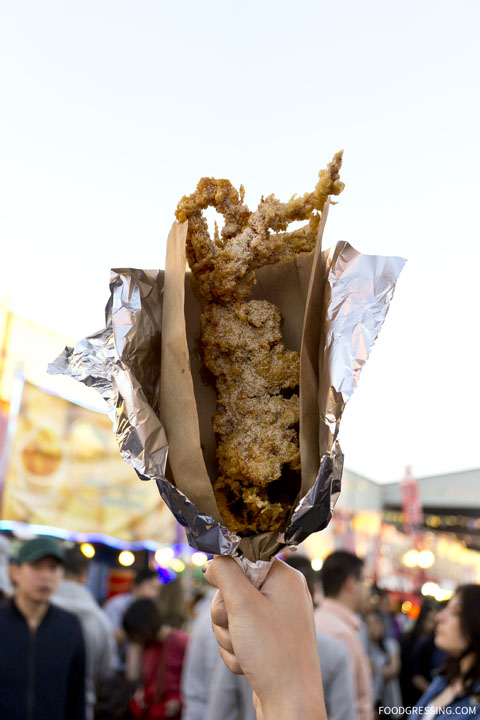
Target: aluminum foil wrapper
[121,362]
[256,572]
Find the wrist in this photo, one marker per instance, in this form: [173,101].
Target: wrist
[308,705]
[307,710]
[298,696]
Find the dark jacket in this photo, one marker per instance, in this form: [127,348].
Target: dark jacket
[427,658]
[42,671]
[464,705]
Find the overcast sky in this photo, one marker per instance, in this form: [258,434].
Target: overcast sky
[112,110]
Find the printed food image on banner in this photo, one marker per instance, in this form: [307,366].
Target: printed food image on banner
[64,471]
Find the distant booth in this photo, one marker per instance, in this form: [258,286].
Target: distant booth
[62,475]
[428,558]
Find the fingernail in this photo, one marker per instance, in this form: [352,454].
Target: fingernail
[205,567]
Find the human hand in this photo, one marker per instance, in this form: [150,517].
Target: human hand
[269,635]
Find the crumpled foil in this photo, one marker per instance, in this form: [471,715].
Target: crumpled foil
[361,289]
[257,571]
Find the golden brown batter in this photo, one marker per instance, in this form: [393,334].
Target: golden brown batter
[256,422]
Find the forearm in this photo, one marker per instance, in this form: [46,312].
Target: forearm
[120,636]
[420,682]
[301,700]
[133,662]
[286,674]
[389,672]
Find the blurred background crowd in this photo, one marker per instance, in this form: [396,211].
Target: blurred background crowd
[380,576]
[148,649]
[122,566]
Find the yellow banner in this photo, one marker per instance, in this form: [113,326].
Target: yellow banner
[65,471]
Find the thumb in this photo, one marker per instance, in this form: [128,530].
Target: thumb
[226,575]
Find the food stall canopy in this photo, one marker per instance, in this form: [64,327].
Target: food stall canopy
[26,349]
[63,470]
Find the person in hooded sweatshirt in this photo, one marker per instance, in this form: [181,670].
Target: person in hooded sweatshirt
[101,650]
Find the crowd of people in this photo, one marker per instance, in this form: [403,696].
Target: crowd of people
[306,645]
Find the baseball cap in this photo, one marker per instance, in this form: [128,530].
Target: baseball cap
[39,548]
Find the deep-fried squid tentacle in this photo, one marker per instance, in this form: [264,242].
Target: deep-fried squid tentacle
[256,422]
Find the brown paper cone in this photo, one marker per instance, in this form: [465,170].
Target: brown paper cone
[188,402]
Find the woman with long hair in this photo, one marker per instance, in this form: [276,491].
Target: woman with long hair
[154,661]
[457,685]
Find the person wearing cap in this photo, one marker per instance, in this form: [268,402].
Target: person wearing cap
[42,651]
[100,647]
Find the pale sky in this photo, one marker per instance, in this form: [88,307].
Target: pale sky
[110,111]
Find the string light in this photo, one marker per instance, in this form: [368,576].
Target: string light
[88,550]
[177,565]
[425,559]
[430,588]
[317,564]
[410,559]
[164,555]
[438,521]
[199,559]
[126,558]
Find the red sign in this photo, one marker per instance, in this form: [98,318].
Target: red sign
[411,504]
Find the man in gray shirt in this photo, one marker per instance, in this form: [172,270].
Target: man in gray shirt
[199,663]
[211,692]
[230,695]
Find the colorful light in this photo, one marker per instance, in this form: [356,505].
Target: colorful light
[317,564]
[430,588]
[164,555]
[406,607]
[165,575]
[414,612]
[88,550]
[425,559]
[199,559]
[126,558]
[177,565]
[443,594]
[410,559]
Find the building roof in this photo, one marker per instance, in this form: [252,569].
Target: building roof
[452,490]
